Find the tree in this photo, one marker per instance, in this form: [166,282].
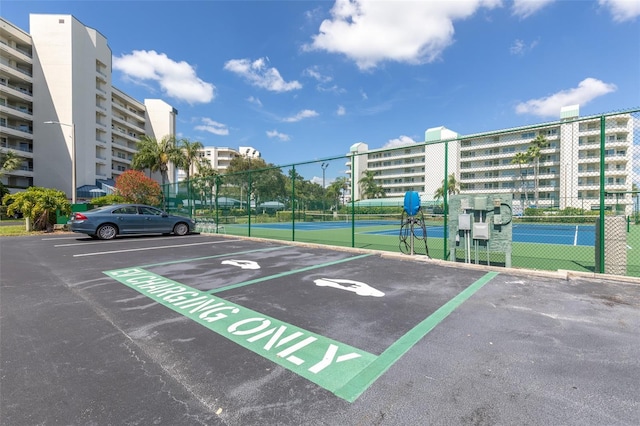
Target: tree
[336,188]
[453,187]
[369,187]
[534,152]
[9,162]
[156,155]
[189,155]
[38,204]
[135,187]
[267,180]
[521,158]
[205,180]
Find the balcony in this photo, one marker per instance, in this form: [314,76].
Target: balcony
[21,113]
[15,71]
[17,131]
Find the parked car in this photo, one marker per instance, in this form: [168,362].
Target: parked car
[107,222]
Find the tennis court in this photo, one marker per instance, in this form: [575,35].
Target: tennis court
[572,235]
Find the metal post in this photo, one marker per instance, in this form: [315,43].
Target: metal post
[445,194]
[602,192]
[217,180]
[353,203]
[249,206]
[293,203]
[324,167]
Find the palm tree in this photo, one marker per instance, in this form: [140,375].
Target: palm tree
[453,187]
[336,188]
[156,155]
[521,158]
[9,161]
[369,187]
[205,179]
[534,153]
[190,152]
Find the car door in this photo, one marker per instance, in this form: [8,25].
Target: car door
[152,220]
[127,219]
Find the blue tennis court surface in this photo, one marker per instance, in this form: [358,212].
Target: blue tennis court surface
[573,235]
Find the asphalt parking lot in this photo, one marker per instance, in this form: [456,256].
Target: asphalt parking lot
[215,330]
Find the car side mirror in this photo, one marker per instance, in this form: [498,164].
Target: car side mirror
[165,215]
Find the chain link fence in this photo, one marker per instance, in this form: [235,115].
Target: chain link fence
[555,196]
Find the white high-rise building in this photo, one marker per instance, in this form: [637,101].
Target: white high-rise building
[568,173]
[220,158]
[63,68]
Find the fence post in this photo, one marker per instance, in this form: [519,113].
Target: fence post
[249,206]
[293,203]
[353,204]
[601,231]
[445,197]
[216,204]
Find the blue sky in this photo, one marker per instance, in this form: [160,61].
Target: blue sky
[304,80]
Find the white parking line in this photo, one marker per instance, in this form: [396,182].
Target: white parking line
[114,241]
[150,248]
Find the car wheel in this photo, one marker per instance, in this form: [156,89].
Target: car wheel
[181,229]
[107,232]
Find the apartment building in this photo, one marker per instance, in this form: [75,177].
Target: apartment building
[567,175]
[414,167]
[220,157]
[80,120]
[16,102]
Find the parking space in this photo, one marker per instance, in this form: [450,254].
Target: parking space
[252,332]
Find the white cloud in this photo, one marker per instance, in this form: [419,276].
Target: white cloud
[314,73]
[519,47]
[371,31]
[401,141]
[254,100]
[177,80]
[622,10]
[525,8]
[306,113]
[587,90]
[275,134]
[213,127]
[341,110]
[259,75]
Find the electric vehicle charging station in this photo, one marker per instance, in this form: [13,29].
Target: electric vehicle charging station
[479,225]
[412,220]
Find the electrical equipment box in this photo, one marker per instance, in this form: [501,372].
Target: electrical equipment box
[464,222]
[480,228]
[480,203]
[481,231]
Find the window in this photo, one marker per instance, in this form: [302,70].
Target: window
[150,211]
[126,210]
[528,135]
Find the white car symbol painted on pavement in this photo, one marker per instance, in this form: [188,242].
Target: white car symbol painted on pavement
[244,264]
[359,288]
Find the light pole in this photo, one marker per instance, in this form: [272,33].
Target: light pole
[73,156]
[324,167]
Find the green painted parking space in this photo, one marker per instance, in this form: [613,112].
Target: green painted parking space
[340,368]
